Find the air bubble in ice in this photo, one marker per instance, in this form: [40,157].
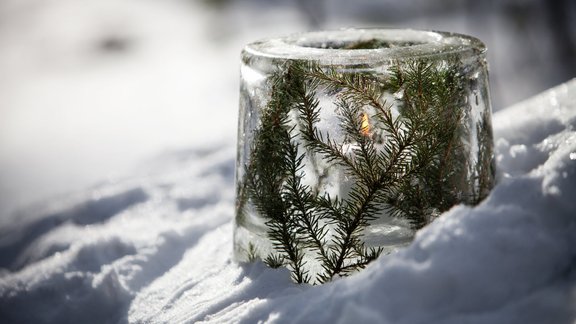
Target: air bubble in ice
[474,80]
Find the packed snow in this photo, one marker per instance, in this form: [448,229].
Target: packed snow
[155,245]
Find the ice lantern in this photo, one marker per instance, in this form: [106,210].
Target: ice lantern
[349,141]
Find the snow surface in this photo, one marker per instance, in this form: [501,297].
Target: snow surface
[156,248]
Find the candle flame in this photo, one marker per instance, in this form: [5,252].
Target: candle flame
[365,127]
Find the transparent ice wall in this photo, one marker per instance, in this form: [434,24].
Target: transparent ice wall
[433,85]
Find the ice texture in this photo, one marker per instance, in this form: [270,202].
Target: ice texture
[370,45]
[359,53]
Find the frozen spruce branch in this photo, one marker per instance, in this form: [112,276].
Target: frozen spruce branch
[407,160]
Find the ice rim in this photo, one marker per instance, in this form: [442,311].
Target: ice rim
[333,46]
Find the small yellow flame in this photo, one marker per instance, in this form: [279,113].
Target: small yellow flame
[365,128]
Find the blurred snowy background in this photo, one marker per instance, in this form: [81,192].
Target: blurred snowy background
[93,90]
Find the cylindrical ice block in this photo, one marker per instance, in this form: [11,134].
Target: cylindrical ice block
[349,141]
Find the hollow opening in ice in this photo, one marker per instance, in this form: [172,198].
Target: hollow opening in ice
[361,44]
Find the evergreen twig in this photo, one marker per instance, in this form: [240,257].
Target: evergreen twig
[407,163]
